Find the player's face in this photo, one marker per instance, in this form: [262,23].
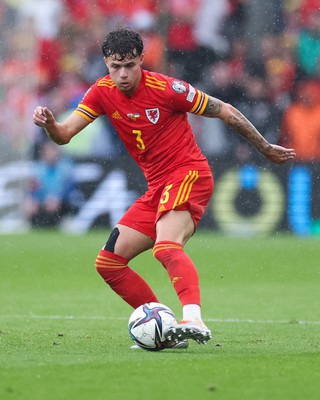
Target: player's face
[125,74]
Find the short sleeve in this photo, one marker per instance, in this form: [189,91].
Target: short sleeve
[184,97]
[90,105]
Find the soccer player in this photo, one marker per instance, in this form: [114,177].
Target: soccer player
[149,111]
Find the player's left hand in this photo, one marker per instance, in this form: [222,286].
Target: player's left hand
[278,154]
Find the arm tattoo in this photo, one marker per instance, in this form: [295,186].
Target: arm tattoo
[239,123]
[213,108]
[216,108]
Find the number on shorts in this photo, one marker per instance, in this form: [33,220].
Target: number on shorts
[165,195]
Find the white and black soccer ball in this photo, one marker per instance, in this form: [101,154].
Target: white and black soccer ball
[148,323]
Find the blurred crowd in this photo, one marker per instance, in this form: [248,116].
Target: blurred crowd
[262,56]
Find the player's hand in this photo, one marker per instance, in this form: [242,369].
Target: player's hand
[278,154]
[43,117]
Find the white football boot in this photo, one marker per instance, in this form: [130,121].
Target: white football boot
[185,330]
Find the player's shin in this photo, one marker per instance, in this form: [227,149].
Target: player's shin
[123,280]
[181,270]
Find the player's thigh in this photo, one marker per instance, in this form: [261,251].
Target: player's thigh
[131,242]
[141,216]
[175,226]
[182,204]
[136,229]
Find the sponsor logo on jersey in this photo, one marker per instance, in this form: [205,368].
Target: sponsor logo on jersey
[153,114]
[191,94]
[116,115]
[133,116]
[178,87]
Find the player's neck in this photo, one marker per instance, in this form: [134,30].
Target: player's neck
[133,90]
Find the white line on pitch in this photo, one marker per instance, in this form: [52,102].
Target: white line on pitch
[102,318]
[261,321]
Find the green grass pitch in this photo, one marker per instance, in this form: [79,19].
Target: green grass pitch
[63,333]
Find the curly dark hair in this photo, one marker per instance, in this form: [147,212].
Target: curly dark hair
[124,43]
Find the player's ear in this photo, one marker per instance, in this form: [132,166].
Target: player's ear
[141,58]
[106,62]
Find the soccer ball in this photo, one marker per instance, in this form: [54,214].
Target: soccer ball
[148,323]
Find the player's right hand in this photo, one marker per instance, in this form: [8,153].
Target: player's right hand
[43,117]
[278,154]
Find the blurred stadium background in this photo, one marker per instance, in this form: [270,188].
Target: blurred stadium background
[262,56]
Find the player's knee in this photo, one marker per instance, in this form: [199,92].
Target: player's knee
[111,242]
[106,260]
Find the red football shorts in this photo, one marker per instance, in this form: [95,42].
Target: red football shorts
[183,189]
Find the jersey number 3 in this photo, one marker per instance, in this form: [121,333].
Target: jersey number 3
[140,142]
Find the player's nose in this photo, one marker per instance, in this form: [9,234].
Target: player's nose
[123,73]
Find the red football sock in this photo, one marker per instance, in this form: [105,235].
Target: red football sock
[181,270]
[123,280]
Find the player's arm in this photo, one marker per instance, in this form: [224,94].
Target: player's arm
[59,132]
[216,108]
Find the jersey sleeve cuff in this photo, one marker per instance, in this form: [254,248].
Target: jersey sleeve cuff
[200,104]
[86,112]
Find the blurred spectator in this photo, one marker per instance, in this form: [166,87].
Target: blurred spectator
[46,17]
[145,23]
[307,8]
[238,59]
[218,82]
[181,42]
[279,67]
[19,79]
[208,29]
[234,24]
[260,111]
[7,20]
[300,127]
[308,46]
[261,18]
[49,195]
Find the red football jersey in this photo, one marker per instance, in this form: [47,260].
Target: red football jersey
[153,123]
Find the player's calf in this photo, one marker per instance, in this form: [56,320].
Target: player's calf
[123,280]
